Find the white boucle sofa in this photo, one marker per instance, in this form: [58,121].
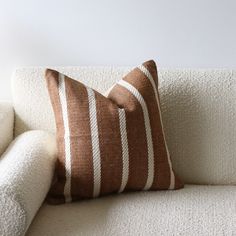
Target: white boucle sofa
[199,116]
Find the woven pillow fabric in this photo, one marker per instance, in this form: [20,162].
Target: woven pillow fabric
[109,144]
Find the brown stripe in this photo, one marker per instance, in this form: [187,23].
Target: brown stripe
[56,194]
[162,170]
[138,158]
[81,147]
[110,144]
[178,183]
[152,68]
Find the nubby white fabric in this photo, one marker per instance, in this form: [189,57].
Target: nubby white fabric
[198,111]
[26,170]
[6,125]
[192,211]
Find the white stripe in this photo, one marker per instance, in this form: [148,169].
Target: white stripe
[125,149]
[139,97]
[95,143]
[149,76]
[63,101]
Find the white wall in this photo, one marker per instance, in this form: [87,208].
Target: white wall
[183,33]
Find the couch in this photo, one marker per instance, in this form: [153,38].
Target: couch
[199,116]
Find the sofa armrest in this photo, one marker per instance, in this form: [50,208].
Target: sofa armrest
[6,125]
[26,171]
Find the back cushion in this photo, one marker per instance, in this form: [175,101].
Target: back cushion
[198,107]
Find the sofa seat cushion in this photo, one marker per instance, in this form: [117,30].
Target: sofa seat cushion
[195,210]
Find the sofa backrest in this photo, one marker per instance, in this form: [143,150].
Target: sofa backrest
[198,107]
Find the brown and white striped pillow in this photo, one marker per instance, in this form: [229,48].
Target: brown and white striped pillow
[109,144]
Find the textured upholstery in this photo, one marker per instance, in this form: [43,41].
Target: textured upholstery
[199,113]
[6,125]
[26,170]
[194,210]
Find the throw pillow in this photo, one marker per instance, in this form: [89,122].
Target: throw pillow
[109,144]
